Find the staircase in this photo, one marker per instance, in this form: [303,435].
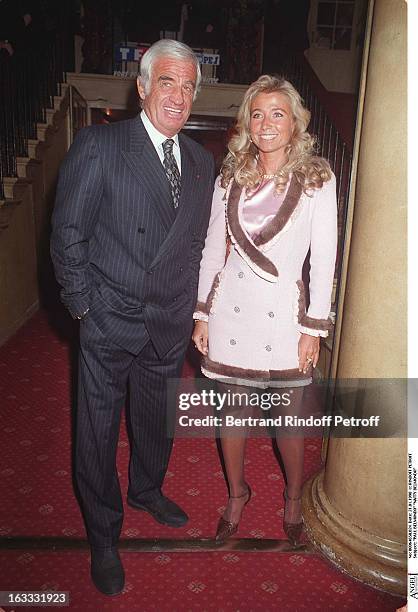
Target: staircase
[35,134]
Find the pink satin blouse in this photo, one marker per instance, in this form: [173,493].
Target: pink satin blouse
[260,207]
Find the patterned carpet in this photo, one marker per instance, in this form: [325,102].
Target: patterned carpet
[243,582]
[37,500]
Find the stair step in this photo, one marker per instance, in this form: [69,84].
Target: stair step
[22,164]
[33,145]
[50,113]
[41,131]
[13,186]
[57,102]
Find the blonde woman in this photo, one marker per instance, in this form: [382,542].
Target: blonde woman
[273,201]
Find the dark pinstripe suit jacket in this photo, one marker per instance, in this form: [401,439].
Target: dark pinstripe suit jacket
[118,246]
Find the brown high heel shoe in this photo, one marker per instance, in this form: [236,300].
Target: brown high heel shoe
[226,529]
[292,530]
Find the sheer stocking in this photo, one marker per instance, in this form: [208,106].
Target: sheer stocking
[292,452]
[233,443]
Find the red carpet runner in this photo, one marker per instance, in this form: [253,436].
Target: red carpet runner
[37,500]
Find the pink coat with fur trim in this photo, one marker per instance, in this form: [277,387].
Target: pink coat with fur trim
[255,301]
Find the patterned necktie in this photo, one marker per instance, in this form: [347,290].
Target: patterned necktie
[172,171]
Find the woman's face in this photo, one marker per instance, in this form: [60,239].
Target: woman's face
[271,122]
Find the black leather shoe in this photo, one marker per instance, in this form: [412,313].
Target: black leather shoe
[107,571]
[163,510]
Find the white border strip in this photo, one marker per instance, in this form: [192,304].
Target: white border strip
[412,510]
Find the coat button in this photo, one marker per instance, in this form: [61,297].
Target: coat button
[150,271]
[268,348]
[237,309]
[271,314]
[232,342]
[141,230]
[240,274]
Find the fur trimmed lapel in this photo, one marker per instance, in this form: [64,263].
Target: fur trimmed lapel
[249,249]
[246,248]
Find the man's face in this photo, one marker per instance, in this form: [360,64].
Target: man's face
[170,98]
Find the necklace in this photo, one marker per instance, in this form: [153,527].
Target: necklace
[269,176]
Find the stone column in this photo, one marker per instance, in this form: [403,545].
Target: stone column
[355,509]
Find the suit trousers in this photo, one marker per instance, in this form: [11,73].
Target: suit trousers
[105,372]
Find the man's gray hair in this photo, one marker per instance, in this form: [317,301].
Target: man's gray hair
[167,48]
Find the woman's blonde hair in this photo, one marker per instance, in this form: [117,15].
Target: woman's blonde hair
[241,162]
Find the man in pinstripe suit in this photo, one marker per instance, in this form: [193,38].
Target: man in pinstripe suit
[129,224]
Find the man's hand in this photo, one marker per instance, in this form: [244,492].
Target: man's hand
[308,352]
[200,337]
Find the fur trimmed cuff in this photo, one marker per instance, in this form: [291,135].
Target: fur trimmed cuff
[323,333]
[306,324]
[200,316]
[202,307]
[201,312]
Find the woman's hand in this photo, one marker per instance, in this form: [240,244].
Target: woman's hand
[308,352]
[200,337]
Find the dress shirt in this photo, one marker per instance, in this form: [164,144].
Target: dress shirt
[157,140]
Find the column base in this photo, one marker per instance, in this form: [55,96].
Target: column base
[378,562]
